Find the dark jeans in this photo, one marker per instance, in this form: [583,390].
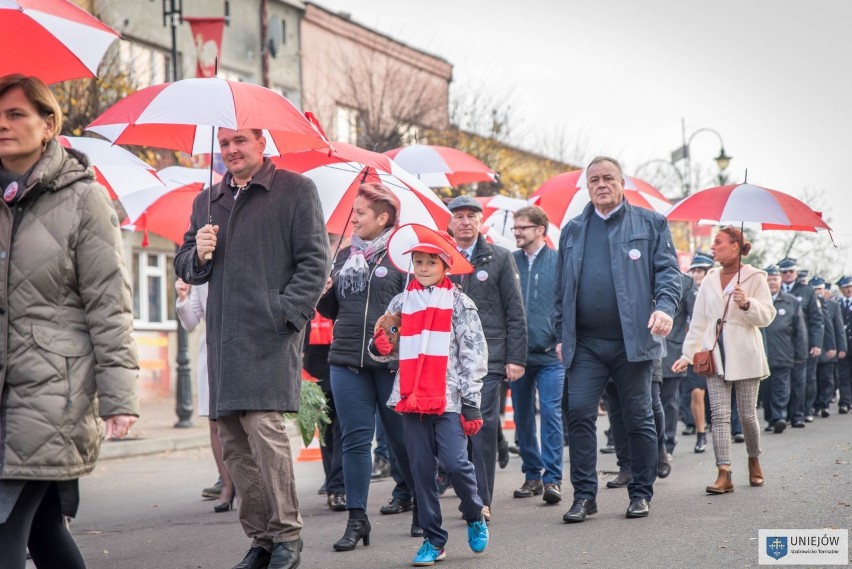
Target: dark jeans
[776,394]
[332,451]
[595,361]
[381,449]
[810,385]
[736,426]
[619,432]
[36,522]
[825,385]
[670,398]
[434,439]
[798,383]
[544,464]
[844,380]
[483,445]
[359,392]
[400,491]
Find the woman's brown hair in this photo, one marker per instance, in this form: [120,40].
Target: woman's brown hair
[737,237]
[382,200]
[38,94]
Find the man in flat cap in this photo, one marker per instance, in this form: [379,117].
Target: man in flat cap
[495,287]
[812,309]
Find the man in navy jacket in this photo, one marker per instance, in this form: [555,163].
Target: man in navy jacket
[617,289]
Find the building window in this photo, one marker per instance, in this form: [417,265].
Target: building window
[145,66]
[153,289]
[346,125]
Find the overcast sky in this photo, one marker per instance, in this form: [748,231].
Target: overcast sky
[773,77]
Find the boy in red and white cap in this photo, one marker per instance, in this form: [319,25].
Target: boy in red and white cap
[443,357]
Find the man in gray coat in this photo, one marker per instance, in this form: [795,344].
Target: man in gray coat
[264,251]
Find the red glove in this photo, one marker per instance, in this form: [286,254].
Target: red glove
[380,340]
[471,420]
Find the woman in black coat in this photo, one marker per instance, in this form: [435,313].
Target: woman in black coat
[362,284]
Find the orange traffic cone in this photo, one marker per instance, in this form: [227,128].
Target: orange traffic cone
[509,421]
[311,452]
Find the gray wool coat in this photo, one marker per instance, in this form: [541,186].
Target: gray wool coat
[266,276]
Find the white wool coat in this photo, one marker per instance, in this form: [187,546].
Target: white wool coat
[745,356]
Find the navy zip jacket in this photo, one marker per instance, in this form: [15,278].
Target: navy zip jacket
[537,287]
[644,271]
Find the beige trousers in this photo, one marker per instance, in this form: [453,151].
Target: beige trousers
[257,454]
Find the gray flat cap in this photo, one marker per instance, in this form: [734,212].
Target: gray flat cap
[464,201]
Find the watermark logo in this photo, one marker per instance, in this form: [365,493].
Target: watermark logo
[803,547]
[776,546]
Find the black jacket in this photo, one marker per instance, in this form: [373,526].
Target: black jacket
[494,286]
[846,315]
[813,313]
[786,337]
[674,341]
[835,335]
[537,286]
[267,273]
[355,315]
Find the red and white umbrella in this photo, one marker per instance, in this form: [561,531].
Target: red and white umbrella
[441,166]
[185,114]
[748,204]
[338,174]
[564,196]
[166,211]
[53,40]
[117,169]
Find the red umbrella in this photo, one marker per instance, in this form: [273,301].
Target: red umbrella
[440,166]
[118,170]
[184,115]
[564,196]
[166,213]
[338,174]
[53,40]
[747,203]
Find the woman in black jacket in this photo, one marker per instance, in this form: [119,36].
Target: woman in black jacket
[362,284]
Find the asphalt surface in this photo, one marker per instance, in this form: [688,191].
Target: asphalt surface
[146,512]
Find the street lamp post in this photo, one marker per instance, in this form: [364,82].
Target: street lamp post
[173,16]
[683,153]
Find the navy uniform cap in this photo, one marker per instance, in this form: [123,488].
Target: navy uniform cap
[788,264]
[772,270]
[802,273]
[701,261]
[844,281]
[816,282]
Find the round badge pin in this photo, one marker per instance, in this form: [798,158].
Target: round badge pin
[634,254]
[10,192]
[782,311]
[482,276]
[381,272]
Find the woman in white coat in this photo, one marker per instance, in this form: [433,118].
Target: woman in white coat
[191,308]
[739,355]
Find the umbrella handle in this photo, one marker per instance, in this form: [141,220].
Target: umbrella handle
[209,256]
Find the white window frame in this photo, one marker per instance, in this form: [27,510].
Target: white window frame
[140,288]
[144,65]
[346,124]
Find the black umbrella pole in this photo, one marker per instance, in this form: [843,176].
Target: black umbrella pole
[183,390]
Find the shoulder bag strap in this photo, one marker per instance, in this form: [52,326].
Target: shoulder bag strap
[720,322]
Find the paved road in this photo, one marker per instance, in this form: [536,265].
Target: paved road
[146,513]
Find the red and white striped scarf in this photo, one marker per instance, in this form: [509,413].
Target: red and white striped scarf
[424,347]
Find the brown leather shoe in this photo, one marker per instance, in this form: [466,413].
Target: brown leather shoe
[755,474]
[723,483]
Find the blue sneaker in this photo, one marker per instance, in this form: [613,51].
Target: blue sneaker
[477,536]
[427,555]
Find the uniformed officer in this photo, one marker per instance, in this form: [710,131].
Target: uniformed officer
[812,310]
[844,375]
[786,347]
[828,361]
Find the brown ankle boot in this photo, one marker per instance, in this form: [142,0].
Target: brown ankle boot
[755,474]
[723,483]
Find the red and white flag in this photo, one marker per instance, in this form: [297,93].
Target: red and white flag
[207,36]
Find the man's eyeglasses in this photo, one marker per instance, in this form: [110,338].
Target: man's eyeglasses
[519,228]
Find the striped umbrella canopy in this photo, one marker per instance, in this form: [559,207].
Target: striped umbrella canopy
[743,204]
[442,166]
[53,40]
